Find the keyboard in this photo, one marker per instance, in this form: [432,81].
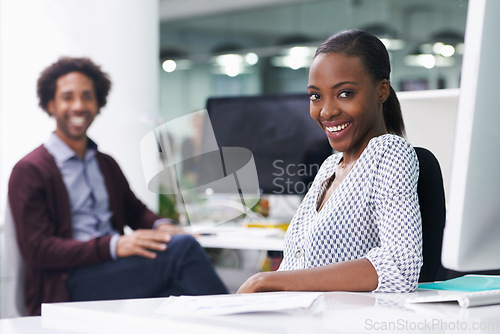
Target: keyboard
[464,299]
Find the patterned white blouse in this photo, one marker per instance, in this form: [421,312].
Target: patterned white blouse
[373,214]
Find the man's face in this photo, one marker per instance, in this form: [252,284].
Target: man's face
[74,106]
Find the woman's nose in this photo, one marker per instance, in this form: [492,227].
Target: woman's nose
[329,110]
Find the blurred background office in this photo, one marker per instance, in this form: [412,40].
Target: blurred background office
[167,57]
[262,47]
[231,48]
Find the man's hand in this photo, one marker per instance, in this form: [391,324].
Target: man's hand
[143,243]
[170,229]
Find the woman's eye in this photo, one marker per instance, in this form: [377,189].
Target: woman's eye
[345,94]
[313,97]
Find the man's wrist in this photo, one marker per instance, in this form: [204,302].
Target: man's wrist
[113,243]
[162,221]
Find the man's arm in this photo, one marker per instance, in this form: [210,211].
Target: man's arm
[127,209]
[38,201]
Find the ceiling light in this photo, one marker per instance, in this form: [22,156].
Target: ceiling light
[169,65]
[174,60]
[447,51]
[387,35]
[251,58]
[231,64]
[439,51]
[230,60]
[428,60]
[295,57]
[393,44]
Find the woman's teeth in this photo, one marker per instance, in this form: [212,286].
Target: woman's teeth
[337,128]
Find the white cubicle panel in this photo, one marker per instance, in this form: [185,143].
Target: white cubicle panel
[430,120]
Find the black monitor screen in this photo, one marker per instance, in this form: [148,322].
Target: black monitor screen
[288,147]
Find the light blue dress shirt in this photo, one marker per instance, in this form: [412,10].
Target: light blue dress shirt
[91,216]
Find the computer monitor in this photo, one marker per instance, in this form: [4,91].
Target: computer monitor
[472,231]
[287,145]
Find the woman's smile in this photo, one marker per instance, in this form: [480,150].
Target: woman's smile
[336,128]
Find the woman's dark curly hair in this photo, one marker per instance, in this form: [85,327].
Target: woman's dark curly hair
[47,83]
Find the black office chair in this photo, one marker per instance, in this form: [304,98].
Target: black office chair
[433,209]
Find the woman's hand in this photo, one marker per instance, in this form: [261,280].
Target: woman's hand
[255,283]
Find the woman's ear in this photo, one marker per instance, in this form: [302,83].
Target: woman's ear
[384,90]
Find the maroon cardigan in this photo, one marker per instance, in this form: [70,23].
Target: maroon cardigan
[41,210]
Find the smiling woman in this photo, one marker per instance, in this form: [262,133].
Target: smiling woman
[350,108]
[359,226]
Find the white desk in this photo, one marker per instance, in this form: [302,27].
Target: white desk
[248,246]
[243,238]
[344,313]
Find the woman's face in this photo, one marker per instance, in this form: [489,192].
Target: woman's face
[346,102]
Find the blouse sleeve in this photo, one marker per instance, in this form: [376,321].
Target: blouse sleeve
[399,258]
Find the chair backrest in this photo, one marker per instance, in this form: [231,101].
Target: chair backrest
[12,269]
[433,209]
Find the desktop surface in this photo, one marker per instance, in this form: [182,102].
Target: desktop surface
[240,237]
[342,312]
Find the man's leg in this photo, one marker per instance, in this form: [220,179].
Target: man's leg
[183,269]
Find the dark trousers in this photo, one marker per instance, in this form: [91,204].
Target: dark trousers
[183,269]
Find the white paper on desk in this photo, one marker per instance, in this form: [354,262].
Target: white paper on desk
[239,303]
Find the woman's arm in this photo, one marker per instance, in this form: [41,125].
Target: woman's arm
[354,275]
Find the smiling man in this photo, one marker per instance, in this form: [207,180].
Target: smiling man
[70,204]
[74,108]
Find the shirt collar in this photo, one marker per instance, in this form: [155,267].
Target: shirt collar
[62,152]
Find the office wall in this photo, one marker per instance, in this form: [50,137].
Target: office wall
[120,35]
[430,120]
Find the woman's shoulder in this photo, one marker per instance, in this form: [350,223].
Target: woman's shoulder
[391,155]
[390,144]
[390,140]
